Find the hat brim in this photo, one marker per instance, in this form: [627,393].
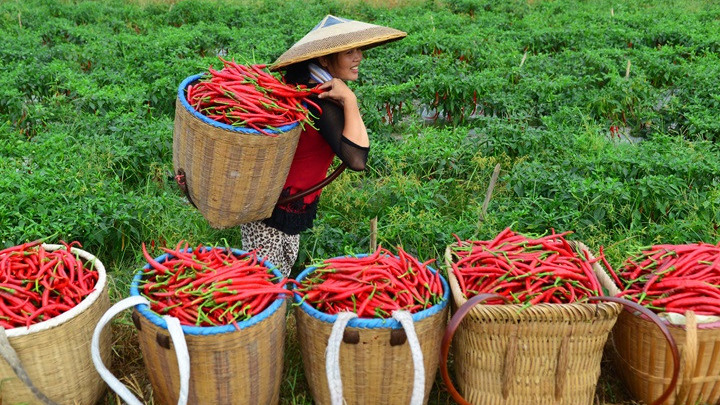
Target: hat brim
[337,38]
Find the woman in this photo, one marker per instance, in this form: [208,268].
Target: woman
[328,56]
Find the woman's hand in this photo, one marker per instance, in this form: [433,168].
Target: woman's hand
[338,91]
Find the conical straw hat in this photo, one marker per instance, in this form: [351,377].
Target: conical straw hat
[335,34]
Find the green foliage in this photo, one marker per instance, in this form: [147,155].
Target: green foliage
[87,102]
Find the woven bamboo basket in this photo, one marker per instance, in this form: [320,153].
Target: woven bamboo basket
[643,359]
[55,354]
[543,354]
[376,364]
[233,175]
[227,365]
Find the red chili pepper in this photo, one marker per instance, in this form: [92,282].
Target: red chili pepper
[211,286]
[372,286]
[523,269]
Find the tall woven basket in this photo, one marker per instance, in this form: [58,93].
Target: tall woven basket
[55,354]
[228,366]
[375,361]
[643,359]
[233,175]
[543,354]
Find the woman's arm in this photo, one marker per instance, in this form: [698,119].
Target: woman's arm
[354,129]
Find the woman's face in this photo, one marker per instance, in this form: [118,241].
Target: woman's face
[344,65]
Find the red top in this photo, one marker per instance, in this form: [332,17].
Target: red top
[310,165]
[314,154]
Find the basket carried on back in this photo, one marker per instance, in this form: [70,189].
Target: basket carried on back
[55,354]
[376,363]
[542,354]
[232,174]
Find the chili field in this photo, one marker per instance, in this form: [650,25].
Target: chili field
[598,118]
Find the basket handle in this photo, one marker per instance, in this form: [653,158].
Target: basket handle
[332,356]
[12,358]
[448,336]
[181,181]
[665,331]
[178,339]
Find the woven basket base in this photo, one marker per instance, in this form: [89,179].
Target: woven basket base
[372,371]
[642,358]
[235,368]
[58,361]
[500,359]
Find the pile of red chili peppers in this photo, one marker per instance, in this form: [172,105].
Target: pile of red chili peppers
[39,284]
[673,278]
[250,96]
[209,286]
[524,270]
[372,286]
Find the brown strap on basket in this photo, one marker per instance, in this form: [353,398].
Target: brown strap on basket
[316,187]
[665,331]
[689,356]
[447,339]
[181,181]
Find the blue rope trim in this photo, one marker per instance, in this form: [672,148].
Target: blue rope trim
[366,323]
[195,113]
[144,309]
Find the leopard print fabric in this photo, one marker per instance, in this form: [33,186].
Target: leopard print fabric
[277,247]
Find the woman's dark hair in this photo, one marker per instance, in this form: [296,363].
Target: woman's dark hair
[298,73]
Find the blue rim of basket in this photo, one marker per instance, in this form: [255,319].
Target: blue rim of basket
[196,114]
[144,309]
[367,323]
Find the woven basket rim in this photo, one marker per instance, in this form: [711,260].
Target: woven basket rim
[366,323]
[144,309]
[77,309]
[700,325]
[209,121]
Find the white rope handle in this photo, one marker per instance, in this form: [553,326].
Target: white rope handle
[418,393]
[182,354]
[332,357]
[178,339]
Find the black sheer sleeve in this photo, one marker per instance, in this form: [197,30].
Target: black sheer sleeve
[331,124]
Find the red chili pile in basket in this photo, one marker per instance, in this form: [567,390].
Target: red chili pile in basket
[209,286]
[39,284]
[524,270]
[372,286]
[673,278]
[250,96]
